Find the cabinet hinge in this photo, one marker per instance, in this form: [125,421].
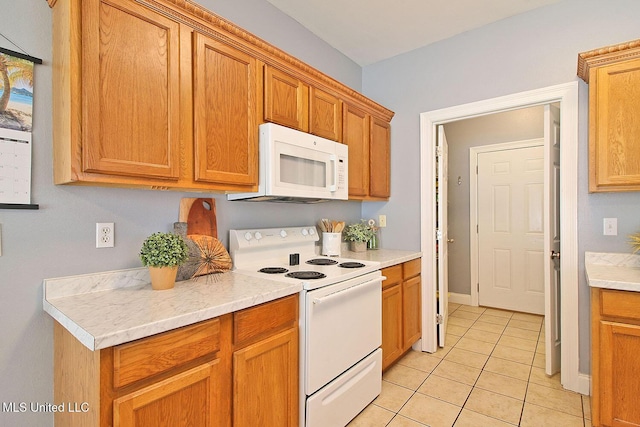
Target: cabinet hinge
[438,151]
[438,234]
[439,319]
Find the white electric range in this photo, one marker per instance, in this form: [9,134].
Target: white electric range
[340,318]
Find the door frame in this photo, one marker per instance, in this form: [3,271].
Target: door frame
[473,200]
[567,95]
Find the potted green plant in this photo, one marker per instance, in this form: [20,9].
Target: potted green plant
[358,235]
[163,253]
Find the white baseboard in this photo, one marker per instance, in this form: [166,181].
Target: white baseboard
[584,384]
[459,298]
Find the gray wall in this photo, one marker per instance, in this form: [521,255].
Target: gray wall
[529,51]
[59,239]
[516,125]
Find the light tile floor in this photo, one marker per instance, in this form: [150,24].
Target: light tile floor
[490,373]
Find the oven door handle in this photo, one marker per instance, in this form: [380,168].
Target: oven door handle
[340,293]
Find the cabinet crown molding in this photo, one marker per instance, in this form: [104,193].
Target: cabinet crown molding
[258,47]
[605,56]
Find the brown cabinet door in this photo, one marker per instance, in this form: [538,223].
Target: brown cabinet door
[356,135]
[614,134]
[225,96]
[380,159]
[286,100]
[392,339]
[325,115]
[619,374]
[266,382]
[191,398]
[130,90]
[411,311]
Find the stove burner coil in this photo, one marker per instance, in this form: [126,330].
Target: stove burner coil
[351,264]
[306,275]
[322,261]
[273,270]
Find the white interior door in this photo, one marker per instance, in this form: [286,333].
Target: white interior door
[510,195]
[552,238]
[442,235]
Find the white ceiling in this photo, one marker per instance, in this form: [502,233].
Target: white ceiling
[368,31]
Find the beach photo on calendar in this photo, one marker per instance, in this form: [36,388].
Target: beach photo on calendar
[16,93]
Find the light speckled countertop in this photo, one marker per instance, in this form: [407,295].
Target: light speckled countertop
[106,309]
[386,257]
[613,270]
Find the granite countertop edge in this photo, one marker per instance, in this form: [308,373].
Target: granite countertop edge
[109,308]
[617,271]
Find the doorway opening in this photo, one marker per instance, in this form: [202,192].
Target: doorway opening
[566,96]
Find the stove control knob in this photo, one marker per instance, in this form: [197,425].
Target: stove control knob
[248,236]
[283,234]
[258,235]
[304,232]
[312,231]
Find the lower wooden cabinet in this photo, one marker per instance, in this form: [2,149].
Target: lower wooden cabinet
[239,369]
[615,366]
[401,310]
[194,392]
[265,365]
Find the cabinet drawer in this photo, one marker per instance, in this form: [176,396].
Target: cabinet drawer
[252,323]
[153,355]
[393,275]
[620,304]
[412,268]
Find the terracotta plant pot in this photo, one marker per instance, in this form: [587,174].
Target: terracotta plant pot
[358,246]
[163,277]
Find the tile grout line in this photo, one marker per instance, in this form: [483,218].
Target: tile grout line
[482,369]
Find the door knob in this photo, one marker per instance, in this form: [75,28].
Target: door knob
[450,240]
[555,255]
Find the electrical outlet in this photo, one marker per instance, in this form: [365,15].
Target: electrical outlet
[610,227]
[382,220]
[104,235]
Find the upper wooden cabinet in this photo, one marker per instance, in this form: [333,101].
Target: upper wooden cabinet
[286,100]
[369,140]
[325,114]
[613,74]
[164,94]
[130,92]
[292,103]
[379,158]
[225,93]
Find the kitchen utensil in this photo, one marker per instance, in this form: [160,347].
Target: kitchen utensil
[200,216]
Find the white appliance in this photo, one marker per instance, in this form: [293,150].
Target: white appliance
[299,167]
[340,318]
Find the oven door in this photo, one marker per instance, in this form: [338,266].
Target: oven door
[343,326]
[300,171]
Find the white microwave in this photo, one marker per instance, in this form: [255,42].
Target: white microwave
[299,167]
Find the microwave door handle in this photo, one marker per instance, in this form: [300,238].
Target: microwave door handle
[334,187]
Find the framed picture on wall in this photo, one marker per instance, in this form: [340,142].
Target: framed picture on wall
[16,120]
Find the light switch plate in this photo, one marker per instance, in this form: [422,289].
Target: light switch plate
[610,226]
